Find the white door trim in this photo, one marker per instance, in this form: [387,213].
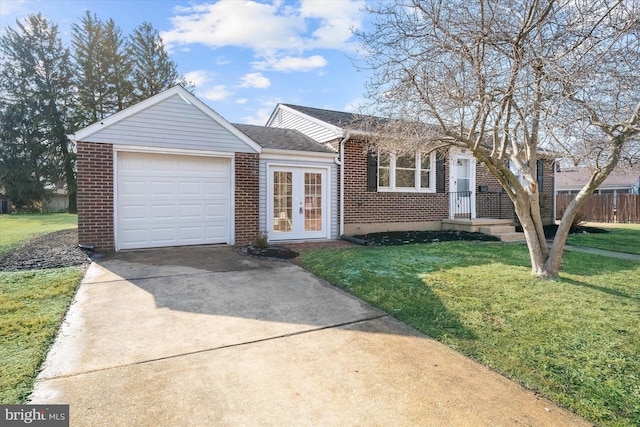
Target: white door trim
[456,154]
[298,171]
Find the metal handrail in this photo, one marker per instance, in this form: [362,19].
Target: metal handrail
[488,204]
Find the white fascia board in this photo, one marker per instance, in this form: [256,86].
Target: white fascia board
[189,98]
[174,151]
[273,154]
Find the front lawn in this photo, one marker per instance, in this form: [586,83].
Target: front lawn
[621,238]
[574,340]
[32,305]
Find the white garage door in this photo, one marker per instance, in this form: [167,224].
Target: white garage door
[167,200]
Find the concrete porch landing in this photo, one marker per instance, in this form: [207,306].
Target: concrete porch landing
[500,228]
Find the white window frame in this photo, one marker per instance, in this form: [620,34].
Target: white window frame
[418,174]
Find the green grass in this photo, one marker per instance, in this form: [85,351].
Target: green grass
[621,237]
[15,229]
[575,340]
[32,305]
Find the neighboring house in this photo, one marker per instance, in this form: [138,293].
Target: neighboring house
[170,171]
[5,203]
[58,202]
[571,180]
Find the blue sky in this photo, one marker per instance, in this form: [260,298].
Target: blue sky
[244,56]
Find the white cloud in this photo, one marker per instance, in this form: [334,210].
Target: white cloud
[215,93]
[221,60]
[281,30]
[199,77]
[12,7]
[233,23]
[241,101]
[261,114]
[337,21]
[259,117]
[255,80]
[290,63]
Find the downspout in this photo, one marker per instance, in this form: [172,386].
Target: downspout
[555,192]
[341,164]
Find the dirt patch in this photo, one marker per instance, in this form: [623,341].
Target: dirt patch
[396,238]
[52,250]
[272,251]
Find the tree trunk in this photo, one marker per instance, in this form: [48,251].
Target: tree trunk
[536,242]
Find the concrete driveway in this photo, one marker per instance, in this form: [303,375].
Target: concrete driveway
[203,336]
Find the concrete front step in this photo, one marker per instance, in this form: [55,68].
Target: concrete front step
[510,237]
[493,230]
[500,228]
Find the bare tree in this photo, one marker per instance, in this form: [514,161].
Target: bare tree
[506,80]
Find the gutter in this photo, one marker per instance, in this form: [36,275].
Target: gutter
[341,164]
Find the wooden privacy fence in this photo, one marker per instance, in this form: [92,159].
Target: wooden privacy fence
[622,208]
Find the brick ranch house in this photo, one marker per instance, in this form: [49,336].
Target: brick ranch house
[170,171]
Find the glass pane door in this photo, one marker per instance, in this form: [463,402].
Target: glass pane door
[297,204]
[312,201]
[282,201]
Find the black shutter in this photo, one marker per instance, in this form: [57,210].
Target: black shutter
[540,175]
[441,174]
[372,171]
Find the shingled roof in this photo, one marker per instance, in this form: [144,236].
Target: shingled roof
[282,139]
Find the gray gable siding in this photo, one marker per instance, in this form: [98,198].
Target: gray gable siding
[290,120]
[173,123]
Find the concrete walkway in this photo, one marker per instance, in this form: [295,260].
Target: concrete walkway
[602,252]
[202,336]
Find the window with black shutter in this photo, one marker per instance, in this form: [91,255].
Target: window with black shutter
[540,175]
[441,174]
[372,171]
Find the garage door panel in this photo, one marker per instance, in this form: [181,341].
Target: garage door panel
[136,187]
[162,212]
[213,231]
[215,188]
[133,212]
[162,188]
[190,233]
[190,211]
[215,211]
[166,200]
[188,188]
[159,164]
[131,163]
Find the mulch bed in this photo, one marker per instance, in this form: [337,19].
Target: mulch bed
[397,238]
[550,230]
[52,250]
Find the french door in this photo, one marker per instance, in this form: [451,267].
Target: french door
[297,207]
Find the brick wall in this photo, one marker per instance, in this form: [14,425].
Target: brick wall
[368,207]
[499,205]
[95,195]
[247,223]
